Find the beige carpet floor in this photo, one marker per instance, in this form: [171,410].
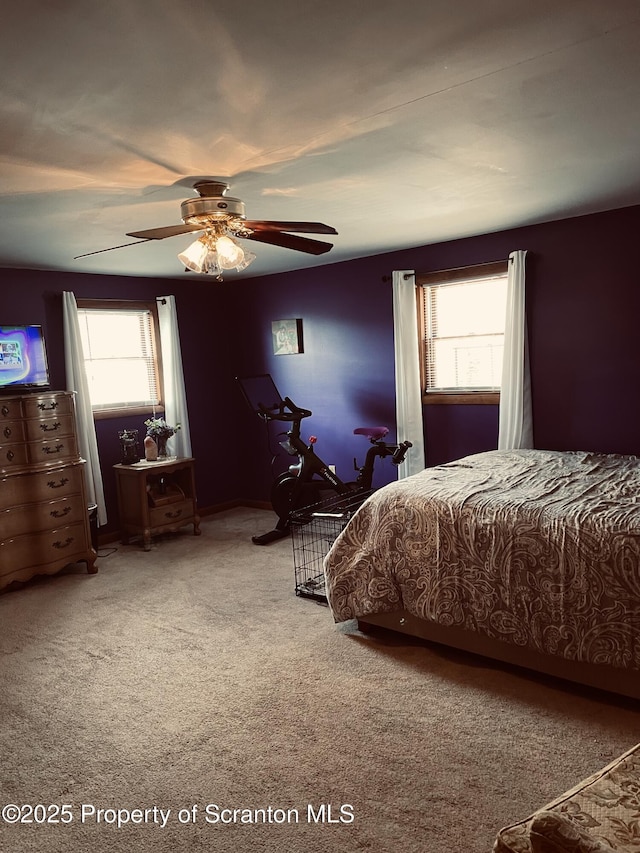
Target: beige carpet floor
[190,679]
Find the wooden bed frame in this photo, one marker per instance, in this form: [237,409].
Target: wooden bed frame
[622,682]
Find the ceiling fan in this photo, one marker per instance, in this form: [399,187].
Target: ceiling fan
[222,219]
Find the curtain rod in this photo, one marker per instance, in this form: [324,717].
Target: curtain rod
[407,276]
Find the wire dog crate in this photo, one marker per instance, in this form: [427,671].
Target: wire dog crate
[314,529]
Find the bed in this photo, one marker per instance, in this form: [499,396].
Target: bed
[531,557]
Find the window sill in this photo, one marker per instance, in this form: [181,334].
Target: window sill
[127,411]
[472,398]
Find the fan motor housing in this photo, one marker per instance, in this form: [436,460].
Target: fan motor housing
[212,207]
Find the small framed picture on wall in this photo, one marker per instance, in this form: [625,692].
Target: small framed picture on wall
[287,337]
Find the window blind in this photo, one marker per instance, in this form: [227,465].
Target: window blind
[120,357]
[463,330]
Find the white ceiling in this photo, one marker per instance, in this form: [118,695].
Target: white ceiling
[400,124]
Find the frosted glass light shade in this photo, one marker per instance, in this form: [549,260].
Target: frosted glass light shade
[249,258]
[194,256]
[211,264]
[230,253]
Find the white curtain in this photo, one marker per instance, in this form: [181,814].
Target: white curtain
[77,382]
[175,398]
[407,358]
[516,421]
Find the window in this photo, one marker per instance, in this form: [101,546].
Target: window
[462,315]
[121,355]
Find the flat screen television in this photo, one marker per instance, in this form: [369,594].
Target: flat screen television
[23,359]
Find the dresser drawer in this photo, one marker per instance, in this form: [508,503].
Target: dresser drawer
[41,516]
[13,456]
[44,485]
[10,408]
[172,513]
[47,405]
[11,431]
[50,451]
[49,427]
[60,546]
[53,450]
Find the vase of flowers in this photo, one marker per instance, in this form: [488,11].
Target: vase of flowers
[160,432]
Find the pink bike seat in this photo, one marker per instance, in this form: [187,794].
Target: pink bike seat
[373,433]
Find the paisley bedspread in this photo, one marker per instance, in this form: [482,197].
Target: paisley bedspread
[535,548]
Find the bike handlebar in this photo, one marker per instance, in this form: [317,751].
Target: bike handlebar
[401,452]
[295,413]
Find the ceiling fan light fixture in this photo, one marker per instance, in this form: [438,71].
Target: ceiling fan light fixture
[230,253]
[194,256]
[211,264]
[212,253]
[248,259]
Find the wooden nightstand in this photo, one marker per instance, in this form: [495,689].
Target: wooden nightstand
[156,497]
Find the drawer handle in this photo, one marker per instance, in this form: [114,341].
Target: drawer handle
[64,544]
[175,514]
[10,455]
[5,410]
[7,432]
[56,513]
[55,449]
[53,485]
[50,427]
[45,408]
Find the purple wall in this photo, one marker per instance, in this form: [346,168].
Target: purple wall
[583,301]
[208,345]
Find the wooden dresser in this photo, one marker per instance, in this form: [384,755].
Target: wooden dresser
[44,517]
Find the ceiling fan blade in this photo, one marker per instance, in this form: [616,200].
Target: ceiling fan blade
[161,233]
[110,249]
[290,241]
[297,227]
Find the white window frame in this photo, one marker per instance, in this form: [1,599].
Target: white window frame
[426,281]
[154,368]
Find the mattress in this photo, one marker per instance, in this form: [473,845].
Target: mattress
[540,549]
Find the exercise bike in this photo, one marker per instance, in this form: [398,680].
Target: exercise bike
[307,481]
